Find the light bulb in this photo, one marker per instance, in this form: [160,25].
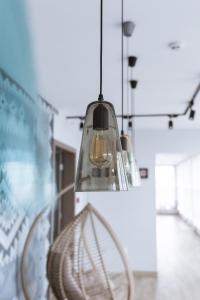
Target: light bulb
[127,165]
[100,149]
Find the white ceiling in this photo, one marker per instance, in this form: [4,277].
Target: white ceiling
[66,40]
[171,158]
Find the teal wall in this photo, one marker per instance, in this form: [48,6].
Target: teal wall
[15,43]
[26,128]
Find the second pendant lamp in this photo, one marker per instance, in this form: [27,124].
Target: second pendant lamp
[100,166]
[135,170]
[131,168]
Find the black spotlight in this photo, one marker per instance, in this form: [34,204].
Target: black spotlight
[192,114]
[132,61]
[81,125]
[130,124]
[170,124]
[134,84]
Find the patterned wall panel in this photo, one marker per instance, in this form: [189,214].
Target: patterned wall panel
[26,181]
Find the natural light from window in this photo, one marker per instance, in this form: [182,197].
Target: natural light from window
[165,188]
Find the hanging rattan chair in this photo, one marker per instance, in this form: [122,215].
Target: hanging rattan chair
[87,262]
[34,284]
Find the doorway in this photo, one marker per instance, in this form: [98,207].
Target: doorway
[65,160]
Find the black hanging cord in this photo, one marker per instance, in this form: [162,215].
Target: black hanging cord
[128,81]
[122,62]
[101,52]
[133,113]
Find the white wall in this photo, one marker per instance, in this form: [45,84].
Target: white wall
[66,131]
[132,214]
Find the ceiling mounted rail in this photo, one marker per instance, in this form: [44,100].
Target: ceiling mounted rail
[156,115]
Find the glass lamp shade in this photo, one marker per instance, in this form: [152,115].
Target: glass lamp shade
[130,163]
[100,166]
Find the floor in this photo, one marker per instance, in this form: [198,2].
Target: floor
[178,264]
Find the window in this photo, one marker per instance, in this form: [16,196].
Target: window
[188,190]
[165,189]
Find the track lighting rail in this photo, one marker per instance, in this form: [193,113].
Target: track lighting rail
[149,116]
[161,115]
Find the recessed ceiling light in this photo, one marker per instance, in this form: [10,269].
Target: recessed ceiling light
[175,45]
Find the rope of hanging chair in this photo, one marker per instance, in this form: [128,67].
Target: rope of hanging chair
[65,190]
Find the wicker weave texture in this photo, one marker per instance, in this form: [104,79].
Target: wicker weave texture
[87,261]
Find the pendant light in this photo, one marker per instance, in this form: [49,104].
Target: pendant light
[136,182]
[131,168]
[100,166]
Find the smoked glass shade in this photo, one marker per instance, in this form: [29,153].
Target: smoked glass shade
[130,164]
[100,166]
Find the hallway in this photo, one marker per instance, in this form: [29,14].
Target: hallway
[178,264]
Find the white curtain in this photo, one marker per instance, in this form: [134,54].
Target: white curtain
[188,190]
[165,189]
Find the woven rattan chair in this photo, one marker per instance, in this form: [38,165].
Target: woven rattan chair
[34,256]
[87,262]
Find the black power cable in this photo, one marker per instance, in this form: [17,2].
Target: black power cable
[101,52]
[122,63]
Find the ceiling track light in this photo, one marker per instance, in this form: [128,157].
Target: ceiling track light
[130,124]
[134,84]
[192,114]
[170,124]
[81,125]
[100,166]
[132,60]
[128,28]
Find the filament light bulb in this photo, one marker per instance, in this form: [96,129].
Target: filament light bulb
[100,149]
